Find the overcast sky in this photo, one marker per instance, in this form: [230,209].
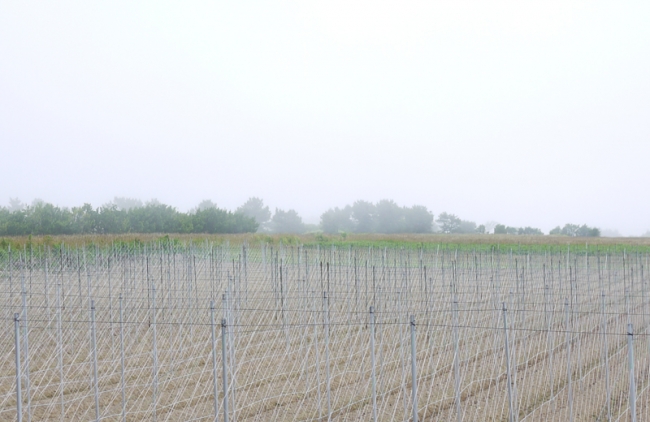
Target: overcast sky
[525,113]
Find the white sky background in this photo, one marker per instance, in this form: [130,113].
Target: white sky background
[527,113]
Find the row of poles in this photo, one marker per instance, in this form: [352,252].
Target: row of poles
[512,413]
[278,283]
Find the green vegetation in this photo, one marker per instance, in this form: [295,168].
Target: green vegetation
[574,230]
[46,219]
[128,215]
[383,217]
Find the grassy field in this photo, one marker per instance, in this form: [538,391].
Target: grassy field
[378,240]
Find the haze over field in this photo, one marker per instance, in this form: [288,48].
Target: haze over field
[524,114]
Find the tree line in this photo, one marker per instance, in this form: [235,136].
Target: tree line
[42,218]
[128,215]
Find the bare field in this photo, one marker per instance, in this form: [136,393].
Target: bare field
[499,335]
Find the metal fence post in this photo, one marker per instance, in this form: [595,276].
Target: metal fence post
[372,360]
[59,344]
[155,350]
[122,381]
[568,361]
[318,381]
[459,414]
[225,369]
[214,363]
[630,357]
[606,357]
[326,316]
[93,340]
[19,397]
[26,347]
[414,377]
[511,408]
[549,339]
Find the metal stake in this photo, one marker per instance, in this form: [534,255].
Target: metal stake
[122,360]
[214,363]
[327,354]
[606,358]
[630,357]
[93,339]
[372,358]
[511,408]
[568,361]
[459,415]
[19,396]
[225,369]
[414,377]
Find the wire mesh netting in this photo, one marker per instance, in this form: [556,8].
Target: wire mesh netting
[169,332]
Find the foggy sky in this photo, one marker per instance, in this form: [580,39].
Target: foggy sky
[526,113]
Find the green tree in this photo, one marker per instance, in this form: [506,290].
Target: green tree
[337,220]
[363,216]
[254,208]
[500,229]
[449,223]
[287,222]
[418,219]
[389,217]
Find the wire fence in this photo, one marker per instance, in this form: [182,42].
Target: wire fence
[169,332]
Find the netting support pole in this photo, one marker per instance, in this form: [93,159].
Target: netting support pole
[26,347]
[511,408]
[326,316]
[155,351]
[318,382]
[459,414]
[568,358]
[214,363]
[372,357]
[606,358]
[630,357]
[414,373]
[59,345]
[93,344]
[549,339]
[122,361]
[19,396]
[225,369]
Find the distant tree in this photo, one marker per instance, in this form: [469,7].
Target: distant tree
[503,229]
[363,216]
[500,229]
[254,207]
[127,204]
[586,231]
[206,204]
[575,230]
[512,230]
[15,205]
[481,229]
[85,219]
[466,227]
[529,231]
[449,223]
[389,217]
[337,220]
[570,230]
[418,219]
[287,222]
[215,220]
